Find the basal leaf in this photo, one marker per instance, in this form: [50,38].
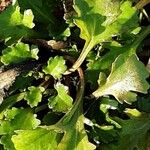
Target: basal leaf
[34,96]
[38,139]
[55,67]
[125,79]
[99,20]
[14,25]
[20,119]
[62,102]
[18,53]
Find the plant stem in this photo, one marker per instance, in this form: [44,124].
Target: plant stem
[140,38]
[142,3]
[76,110]
[81,58]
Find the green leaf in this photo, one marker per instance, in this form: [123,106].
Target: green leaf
[127,75]
[55,67]
[18,53]
[51,118]
[34,96]
[104,134]
[73,126]
[45,14]
[96,23]
[7,143]
[99,20]
[14,25]
[25,82]
[17,119]
[62,102]
[75,136]
[107,104]
[144,103]
[134,127]
[103,63]
[38,139]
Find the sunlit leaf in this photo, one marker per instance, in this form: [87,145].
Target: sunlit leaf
[75,136]
[18,53]
[125,77]
[100,20]
[62,102]
[18,119]
[34,96]
[55,67]
[14,25]
[38,139]
[44,13]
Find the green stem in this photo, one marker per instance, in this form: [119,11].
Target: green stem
[140,38]
[81,58]
[77,108]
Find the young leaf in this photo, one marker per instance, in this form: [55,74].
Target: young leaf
[138,127]
[124,78]
[34,96]
[18,53]
[55,67]
[97,25]
[14,25]
[20,119]
[38,139]
[62,102]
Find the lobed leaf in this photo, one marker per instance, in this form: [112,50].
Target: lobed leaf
[38,139]
[100,20]
[22,119]
[6,142]
[14,25]
[125,79]
[75,136]
[34,96]
[62,102]
[136,126]
[18,53]
[51,23]
[55,67]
